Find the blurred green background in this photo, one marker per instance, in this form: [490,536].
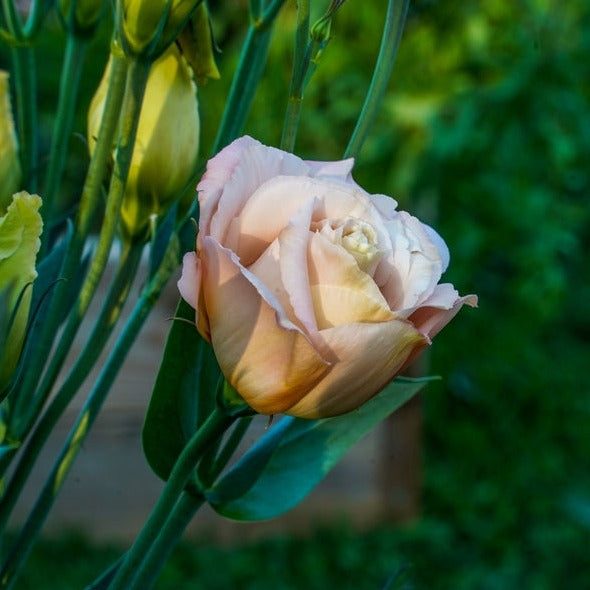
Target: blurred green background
[485,132]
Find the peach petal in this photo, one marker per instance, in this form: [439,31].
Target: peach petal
[266,357]
[369,356]
[293,241]
[271,207]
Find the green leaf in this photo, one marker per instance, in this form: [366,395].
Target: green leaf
[295,455]
[184,393]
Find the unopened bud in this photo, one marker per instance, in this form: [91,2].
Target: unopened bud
[167,143]
[196,44]
[149,26]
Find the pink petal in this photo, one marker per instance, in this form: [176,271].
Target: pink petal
[439,309]
[369,356]
[261,352]
[443,250]
[340,169]
[190,280]
[219,170]
[257,164]
[415,264]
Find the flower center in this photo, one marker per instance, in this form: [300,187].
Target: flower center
[355,236]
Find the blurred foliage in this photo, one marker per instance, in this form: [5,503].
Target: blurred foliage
[486,133]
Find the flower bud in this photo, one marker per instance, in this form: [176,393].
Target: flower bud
[10,170]
[167,143]
[196,44]
[81,16]
[20,228]
[149,26]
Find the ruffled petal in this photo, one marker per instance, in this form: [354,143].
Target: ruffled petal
[257,164]
[369,356]
[267,358]
[439,309]
[415,264]
[219,170]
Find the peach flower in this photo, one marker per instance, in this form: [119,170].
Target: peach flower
[313,293]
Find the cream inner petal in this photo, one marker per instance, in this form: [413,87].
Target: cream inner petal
[341,292]
[357,237]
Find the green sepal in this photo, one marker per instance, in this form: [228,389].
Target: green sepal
[296,454]
[232,402]
[183,395]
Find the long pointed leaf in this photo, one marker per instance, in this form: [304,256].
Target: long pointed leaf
[184,393]
[296,454]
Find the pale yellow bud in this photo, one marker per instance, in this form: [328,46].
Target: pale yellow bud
[10,169]
[167,144]
[142,23]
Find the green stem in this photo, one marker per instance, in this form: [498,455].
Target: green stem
[136,81]
[217,423]
[255,9]
[24,542]
[25,78]
[166,541]
[211,467]
[392,34]
[247,77]
[89,202]
[300,65]
[35,18]
[103,328]
[68,92]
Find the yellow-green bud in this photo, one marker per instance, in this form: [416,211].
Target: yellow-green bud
[81,16]
[167,143]
[149,26]
[196,44]
[10,170]
[20,228]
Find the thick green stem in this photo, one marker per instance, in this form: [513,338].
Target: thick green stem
[392,34]
[247,77]
[217,423]
[136,81]
[103,328]
[68,92]
[166,541]
[89,202]
[24,542]
[300,65]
